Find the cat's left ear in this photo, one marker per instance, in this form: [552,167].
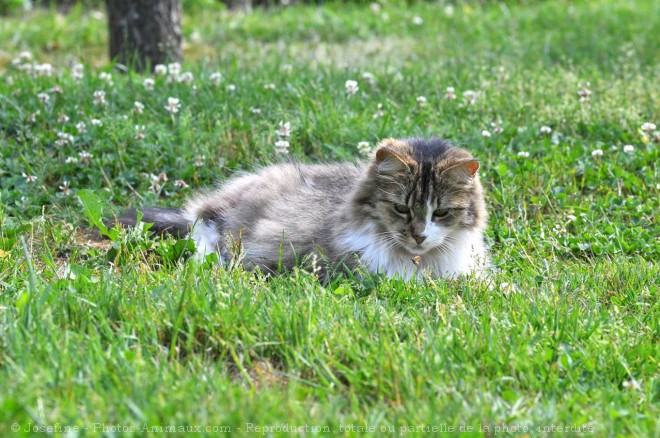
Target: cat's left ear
[463,170]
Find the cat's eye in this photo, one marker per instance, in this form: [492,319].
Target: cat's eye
[402,209]
[440,214]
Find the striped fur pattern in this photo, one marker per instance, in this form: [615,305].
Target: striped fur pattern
[415,207]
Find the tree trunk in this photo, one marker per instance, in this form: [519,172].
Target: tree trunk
[144,33]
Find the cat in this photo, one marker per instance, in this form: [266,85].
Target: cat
[416,206]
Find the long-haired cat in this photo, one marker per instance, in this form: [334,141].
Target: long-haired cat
[416,206]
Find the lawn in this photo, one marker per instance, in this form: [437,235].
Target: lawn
[558,101]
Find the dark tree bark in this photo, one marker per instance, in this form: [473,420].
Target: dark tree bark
[144,33]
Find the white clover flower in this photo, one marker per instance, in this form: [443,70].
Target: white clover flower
[174,69]
[282,147]
[199,161]
[155,186]
[215,78]
[29,178]
[106,77]
[96,122]
[631,384]
[351,87]
[81,128]
[375,7]
[648,127]
[284,130]
[584,93]
[523,154]
[502,75]
[496,127]
[63,138]
[597,153]
[56,89]
[62,118]
[186,78]
[43,69]
[43,97]
[33,117]
[196,36]
[231,88]
[99,97]
[71,160]
[449,10]
[629,149]
[470,96]
[270,86]
[139,132]
[379,111]
[25,56]
[160,70]
[485,133]
[450,94]
[545,130]
[78,72]
[66,190]
[180,184]
[571,217]
[364,147]
[421,101]
[369,78]
[149,84]
[173,105]
[138,107]
[417,20]
[85,157]
[254,110]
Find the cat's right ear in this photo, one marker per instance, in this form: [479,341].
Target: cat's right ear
[388,161]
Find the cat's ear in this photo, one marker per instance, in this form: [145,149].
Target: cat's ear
[393,156]
[464,171]
[389,161]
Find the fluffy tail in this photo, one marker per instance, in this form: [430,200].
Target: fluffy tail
[166,220]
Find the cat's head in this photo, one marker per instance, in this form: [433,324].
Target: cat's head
[419,194]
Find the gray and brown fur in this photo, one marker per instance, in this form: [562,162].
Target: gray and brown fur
[344,213]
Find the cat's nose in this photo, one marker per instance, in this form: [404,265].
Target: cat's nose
[419,239]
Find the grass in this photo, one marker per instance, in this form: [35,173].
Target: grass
[565,335]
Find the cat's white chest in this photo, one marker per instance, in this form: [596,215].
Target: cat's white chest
[466,256]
